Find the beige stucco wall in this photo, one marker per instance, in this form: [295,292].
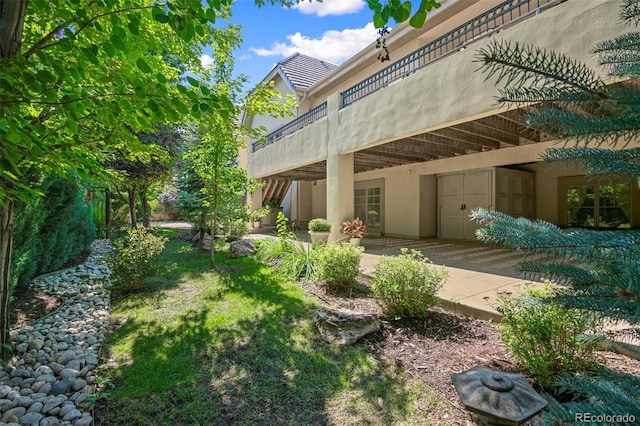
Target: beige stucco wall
[306,146]
[447,92]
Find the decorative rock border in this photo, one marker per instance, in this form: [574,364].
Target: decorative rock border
[48,381]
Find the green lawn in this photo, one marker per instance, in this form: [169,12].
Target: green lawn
[237,345]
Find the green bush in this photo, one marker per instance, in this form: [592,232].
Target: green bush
[406,285]
[236,229]
[319,225]
[50,229]
[547,338]
[133,258]
[339,265]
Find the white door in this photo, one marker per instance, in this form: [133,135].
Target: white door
[460,193]
[477,187]
[451,211]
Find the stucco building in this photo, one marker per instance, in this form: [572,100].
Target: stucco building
[413,144]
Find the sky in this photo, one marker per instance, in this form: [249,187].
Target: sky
[333,30]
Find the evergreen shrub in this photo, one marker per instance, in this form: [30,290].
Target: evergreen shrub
[50,229]
[406,285]
[133,258]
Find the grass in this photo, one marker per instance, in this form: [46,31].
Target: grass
[237,345]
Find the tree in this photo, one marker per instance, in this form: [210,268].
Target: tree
[137,175]
[211,166]
[80,79]
[600,270]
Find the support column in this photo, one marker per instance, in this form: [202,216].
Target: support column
[340,175]
[340,192]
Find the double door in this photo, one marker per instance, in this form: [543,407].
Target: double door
[458,195]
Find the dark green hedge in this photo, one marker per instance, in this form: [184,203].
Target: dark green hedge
[50,230]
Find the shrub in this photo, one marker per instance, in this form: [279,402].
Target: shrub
[236,229]
[133,258]
[406,285]
[547,338]
[338,265]
[319,225]
[49,230]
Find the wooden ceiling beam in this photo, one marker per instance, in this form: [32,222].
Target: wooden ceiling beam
[454,140]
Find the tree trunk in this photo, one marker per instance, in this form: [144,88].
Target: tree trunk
[132,206]
[6,244]
[146,216]
[11,24]
[11,27]
[107,213]
[203,231]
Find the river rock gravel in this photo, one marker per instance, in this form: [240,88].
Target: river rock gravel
[50,378]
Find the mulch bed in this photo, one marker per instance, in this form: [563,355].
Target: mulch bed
[433,349]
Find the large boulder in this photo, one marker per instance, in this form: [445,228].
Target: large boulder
[242,248]
[344,327]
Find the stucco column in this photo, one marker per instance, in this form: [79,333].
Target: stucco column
[339,192]
[339,173]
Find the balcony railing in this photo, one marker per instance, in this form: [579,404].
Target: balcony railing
[293,126]
[489,22]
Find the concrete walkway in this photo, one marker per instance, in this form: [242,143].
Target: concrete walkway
[478,274]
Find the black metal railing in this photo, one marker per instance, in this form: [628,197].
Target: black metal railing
[484,25]
[293,126]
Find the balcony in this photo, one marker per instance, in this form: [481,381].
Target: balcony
[488,23]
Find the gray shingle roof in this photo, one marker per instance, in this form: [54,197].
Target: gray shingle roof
[304,71]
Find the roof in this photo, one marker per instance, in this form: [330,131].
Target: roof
[304,71]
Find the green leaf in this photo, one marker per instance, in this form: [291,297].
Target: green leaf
[401,14]
[417,20]
[378,21]
[134,25]
[161,78]
[109,49]
[192,81]
[159,15]
[143,66]
[6,85]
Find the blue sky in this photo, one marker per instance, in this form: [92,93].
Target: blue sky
[333,30]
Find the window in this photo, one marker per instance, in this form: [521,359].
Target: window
[598,206]
[369,204]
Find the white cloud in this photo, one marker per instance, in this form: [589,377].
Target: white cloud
[329,7]
[244,57]
[334,46]
[206,61]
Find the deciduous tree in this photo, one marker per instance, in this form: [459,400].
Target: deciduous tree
[79,79]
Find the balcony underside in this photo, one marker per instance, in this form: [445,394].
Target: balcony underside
[486,134]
